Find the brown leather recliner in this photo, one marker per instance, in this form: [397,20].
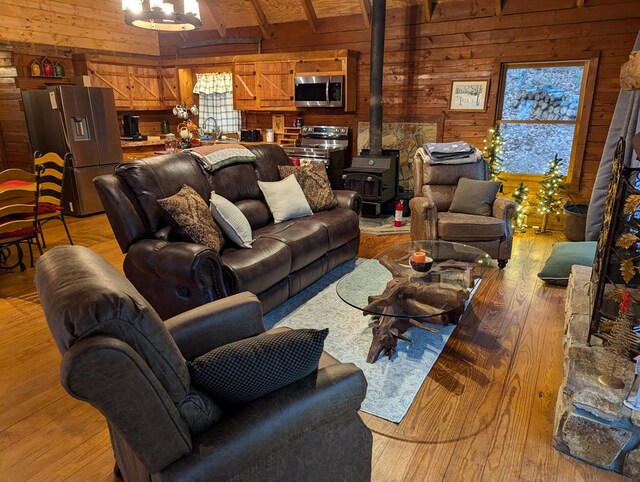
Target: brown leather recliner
[121,358]
[177,276]
[434,186]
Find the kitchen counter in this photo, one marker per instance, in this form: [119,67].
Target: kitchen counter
[132,150]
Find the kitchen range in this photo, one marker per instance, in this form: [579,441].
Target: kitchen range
[327,144]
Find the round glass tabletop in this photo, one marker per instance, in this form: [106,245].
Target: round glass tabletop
[388,285]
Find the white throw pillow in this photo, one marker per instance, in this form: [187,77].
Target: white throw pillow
[285,199]
[231,220]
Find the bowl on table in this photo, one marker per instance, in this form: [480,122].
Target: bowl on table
[420,262]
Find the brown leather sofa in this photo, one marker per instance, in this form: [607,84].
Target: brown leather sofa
[121,358]
[176,276]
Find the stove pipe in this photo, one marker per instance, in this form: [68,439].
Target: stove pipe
[378,12]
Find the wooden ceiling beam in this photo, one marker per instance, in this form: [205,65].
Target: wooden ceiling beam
[218,23]
[310,12]
[263,23]
[365,7]
[499,7]
[427,9]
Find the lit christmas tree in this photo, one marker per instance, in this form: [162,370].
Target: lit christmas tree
[492,152]
[521,197]
[549,199]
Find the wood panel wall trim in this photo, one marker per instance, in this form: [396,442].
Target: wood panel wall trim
[281,56]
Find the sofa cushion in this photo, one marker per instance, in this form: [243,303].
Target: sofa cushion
[285,199]
[235,182]
[256,211]
[306,241]
[158,177]
[315,184]
[469,227]
[342,225]
[268,158]
[256,269]
[474,197]
[248,369]
[187,212]
[449,174]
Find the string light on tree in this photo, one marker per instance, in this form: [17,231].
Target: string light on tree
[492,152]
[521,197]
[549,196]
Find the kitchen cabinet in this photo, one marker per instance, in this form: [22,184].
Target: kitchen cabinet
[136,83]
[245,86]
[144,86]
[275,85]
[169,87]
[115,77]
[320,67]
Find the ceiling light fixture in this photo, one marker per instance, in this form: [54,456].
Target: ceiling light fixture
[161,15]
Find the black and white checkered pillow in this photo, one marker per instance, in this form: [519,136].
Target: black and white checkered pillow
[246,370]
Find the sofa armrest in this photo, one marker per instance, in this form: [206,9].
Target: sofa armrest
[424,218]
[505,209]
[349,200]
[209,326]
[175,277]
[262,428]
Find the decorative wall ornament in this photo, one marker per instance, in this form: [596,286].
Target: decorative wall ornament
[469,95]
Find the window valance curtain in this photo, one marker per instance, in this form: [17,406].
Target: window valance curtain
[213,83]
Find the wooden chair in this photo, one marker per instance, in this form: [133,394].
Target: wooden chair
[18,216]
[50,172]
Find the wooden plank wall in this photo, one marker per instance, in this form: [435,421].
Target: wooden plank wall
[465,40]
[94,25]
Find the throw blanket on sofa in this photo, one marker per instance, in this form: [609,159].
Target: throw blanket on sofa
[469,158]
[218,156]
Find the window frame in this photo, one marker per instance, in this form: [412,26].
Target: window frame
[575,162]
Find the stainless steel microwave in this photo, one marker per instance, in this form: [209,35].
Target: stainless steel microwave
[319,91]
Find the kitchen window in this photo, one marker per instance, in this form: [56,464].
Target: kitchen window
[215,94]
[540,115]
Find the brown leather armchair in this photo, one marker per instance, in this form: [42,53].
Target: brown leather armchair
[434,186]
[309,430]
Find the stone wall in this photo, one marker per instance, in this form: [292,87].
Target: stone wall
[591,422]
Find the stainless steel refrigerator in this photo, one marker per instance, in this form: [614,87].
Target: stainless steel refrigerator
[80,124]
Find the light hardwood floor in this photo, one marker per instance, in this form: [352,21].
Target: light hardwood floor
[485,411]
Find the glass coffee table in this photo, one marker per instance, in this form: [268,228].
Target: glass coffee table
[389,288]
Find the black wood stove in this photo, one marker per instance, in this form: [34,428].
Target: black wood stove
[374,173]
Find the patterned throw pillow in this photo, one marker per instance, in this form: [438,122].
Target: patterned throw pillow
[315,184]
[248,369]
[187,212]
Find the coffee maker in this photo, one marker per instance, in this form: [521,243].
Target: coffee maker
[131,130]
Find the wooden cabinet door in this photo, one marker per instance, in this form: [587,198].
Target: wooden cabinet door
[169,87]
[145,88]
[245,93]
[275,85]
[321,67]
[115,77]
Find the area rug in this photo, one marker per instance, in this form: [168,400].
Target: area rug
[392,383]
[383,224]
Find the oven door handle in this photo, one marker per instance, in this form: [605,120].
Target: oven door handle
[326,93]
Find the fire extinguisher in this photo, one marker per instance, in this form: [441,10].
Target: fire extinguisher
[397,222]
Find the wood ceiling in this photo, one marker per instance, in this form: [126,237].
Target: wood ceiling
[221,15]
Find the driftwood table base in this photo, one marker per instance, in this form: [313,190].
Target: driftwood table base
[410,295]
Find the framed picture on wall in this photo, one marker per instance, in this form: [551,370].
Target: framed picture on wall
[469,95]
